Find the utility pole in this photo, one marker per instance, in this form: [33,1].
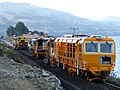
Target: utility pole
[74,28]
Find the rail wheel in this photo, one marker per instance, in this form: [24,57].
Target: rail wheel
[48,61]
[85,75]
[16,47]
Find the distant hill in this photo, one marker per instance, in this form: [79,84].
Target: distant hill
[110,19]
[52,22]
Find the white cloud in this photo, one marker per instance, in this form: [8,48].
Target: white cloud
[83,8]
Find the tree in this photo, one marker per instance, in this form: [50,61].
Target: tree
[42,34]
[35,32]
[10,31]
[21,29]
[18,30]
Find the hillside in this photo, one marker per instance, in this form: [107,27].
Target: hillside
[51,21]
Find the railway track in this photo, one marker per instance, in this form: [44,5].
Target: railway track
[69,82]
[110,84]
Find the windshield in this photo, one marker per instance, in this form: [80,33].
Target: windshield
[91,47]
[34,43]
[45,43]
[106,47]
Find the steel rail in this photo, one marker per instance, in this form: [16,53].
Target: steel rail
[118,87]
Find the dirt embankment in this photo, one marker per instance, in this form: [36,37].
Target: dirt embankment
[20,76]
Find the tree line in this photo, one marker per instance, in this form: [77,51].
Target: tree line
[20,29]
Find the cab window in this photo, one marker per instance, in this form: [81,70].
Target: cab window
[34,43]
[106,47]
[19,39]
[45,43]
[91,47]
[80,47]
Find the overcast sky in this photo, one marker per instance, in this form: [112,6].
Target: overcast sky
[83,8]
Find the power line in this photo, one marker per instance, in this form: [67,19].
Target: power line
[74,28]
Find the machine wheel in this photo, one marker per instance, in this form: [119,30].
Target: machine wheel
[85,75]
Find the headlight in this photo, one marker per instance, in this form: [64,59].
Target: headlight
[84,64]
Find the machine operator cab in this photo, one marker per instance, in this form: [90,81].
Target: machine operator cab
[41,47]
[98,54]
[21,42]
